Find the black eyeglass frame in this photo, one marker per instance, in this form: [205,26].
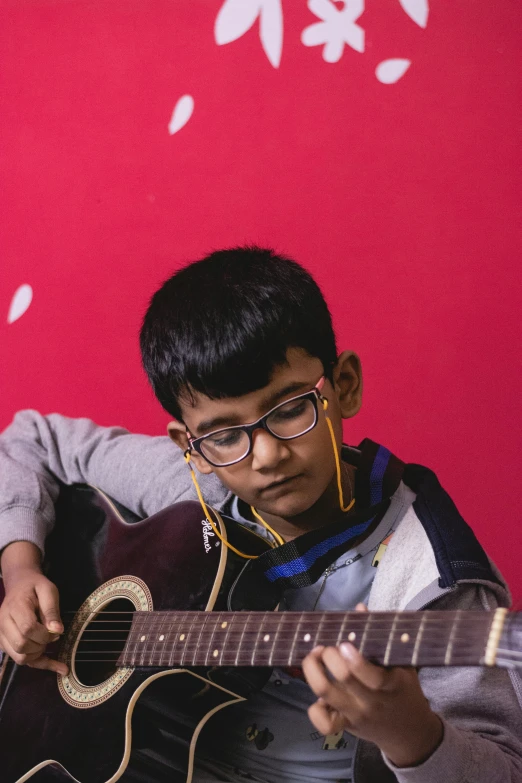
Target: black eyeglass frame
[313,395]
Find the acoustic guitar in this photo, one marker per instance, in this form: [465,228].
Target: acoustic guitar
[162,632]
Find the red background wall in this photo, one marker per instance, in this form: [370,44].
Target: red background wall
[401,198]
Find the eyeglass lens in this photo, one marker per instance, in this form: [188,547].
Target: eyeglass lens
[287,421]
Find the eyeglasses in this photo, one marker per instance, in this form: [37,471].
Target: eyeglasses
[288,420]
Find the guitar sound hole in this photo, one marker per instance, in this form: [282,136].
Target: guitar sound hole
[102,642]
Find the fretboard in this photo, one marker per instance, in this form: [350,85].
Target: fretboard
[426,638]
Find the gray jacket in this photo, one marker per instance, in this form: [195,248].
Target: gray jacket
[481,708]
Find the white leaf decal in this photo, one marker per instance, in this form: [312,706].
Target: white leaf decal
[19,303]
[271,32]
[417,10]
[181,114]
[235,17]
[390,71]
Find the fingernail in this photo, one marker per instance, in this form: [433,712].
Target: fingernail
[55,626]
[348,651]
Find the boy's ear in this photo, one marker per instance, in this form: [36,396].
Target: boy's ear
[347,378]
[177,432]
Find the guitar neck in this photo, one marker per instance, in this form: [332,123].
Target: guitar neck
[426,638]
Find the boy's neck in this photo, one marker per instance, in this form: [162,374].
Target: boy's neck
[324,512]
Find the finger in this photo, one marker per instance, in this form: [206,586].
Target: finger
[361,608]
[51,664]
[373,677]
[25,619]
[18,649]
[315,673]
[325,719]
[333,693]
[336,664]
[339,668]
[17,643]
[49,607]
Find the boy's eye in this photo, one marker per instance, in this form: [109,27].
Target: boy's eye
[291,411]
[224,439]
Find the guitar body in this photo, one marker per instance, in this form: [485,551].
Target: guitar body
[102,723]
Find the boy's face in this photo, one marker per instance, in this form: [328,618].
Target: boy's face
[282,478]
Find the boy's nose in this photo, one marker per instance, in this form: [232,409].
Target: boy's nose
[267,450]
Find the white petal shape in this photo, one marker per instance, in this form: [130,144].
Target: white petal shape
[390,71]
[235,17]
[417,10]
[181,114]
[271,32]
[19,303]
[313,35]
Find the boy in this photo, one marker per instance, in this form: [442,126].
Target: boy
[244,338]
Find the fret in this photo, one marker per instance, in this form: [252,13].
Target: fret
[254,651]
[140,638]
[128,659]
[139,624]
[274,641]
[177,630]
[341,631]
[449,648]
[167,631]
[135,639]
[185,638]
[225,640]
[291,653]
[365,633]
[386,659]
[418,640]
[194,660]
[123,659]
[180,638]
[240,641]
[266,638]
[157,621]
[150,632]
[318,632]
[210,643]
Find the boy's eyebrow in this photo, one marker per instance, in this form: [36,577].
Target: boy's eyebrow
[209,425]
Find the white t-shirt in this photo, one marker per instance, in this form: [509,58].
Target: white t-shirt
[270,737]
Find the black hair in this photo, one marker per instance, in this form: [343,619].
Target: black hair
[221,325]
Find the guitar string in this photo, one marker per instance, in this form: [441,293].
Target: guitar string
[467,644]
[290,633]
[282,659]
[435,662]
[380,633]
[360,617]
[269,628]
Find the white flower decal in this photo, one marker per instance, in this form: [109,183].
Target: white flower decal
[236,17]
[337,28]
[417,10]
[390,71]
[181,114]
[19,303]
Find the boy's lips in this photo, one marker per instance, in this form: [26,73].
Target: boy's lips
[275,485]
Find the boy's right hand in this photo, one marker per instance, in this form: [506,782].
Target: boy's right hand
[30,620]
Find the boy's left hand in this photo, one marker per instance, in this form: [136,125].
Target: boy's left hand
[384,706]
